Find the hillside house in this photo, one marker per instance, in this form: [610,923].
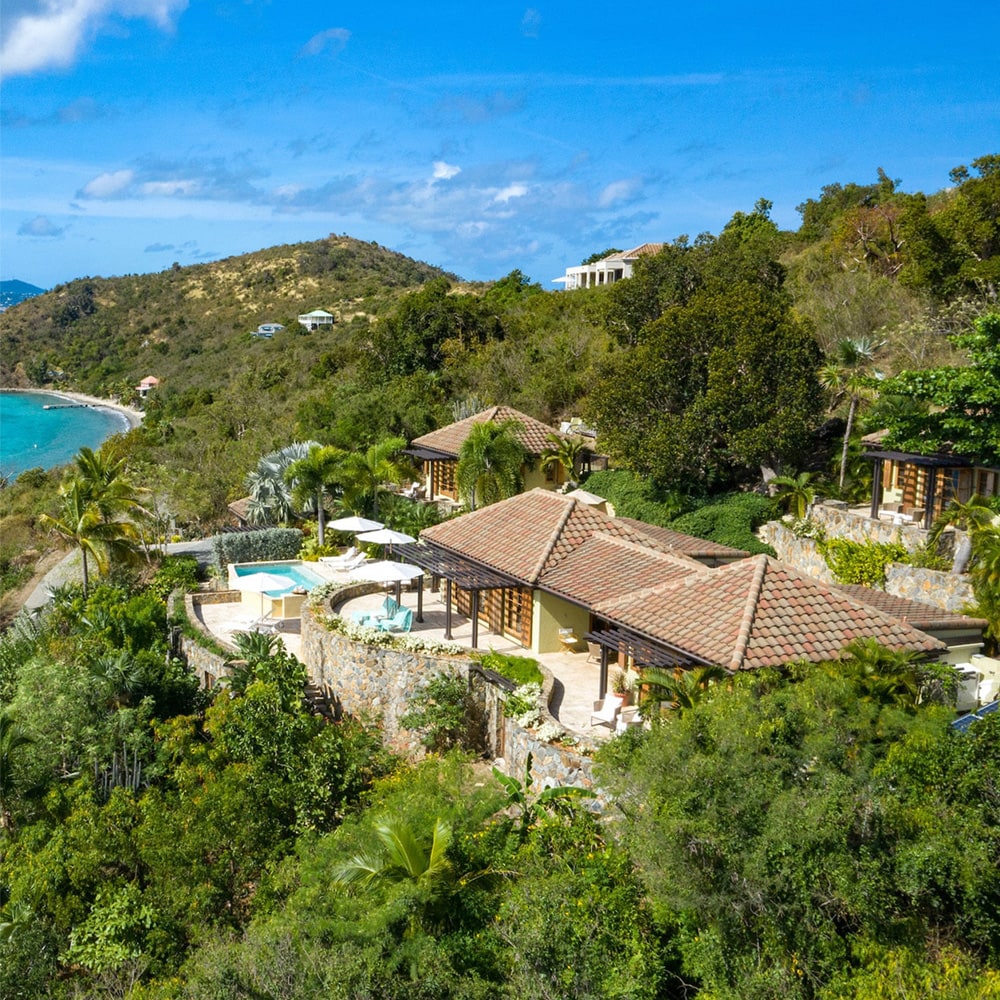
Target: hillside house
[316,319]
[147,385]
[615,267]
[916,487]
[549,571]
[438,452]
[267,330]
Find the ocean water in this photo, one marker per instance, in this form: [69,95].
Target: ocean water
[32,437]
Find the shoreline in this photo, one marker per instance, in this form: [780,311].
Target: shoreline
[132,417]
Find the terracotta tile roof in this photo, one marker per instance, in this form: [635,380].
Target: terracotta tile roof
[697,548]
[643,250]
[605,567]
[758,613]
[529,535]
[449,439]
[240,509]
[916,613]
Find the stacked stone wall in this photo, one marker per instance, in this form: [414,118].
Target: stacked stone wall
[951,591]
[376,682]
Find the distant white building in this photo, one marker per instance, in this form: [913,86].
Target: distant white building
[315,319]
[607,271]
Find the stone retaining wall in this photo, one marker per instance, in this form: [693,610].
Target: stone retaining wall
[801,553]
[838,522]
[376,681]
[951,591]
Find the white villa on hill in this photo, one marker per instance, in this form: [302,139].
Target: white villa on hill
[612,268]
[315,319]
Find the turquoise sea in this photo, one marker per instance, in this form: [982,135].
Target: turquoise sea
[32,437]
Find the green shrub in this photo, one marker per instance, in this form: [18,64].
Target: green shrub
[730,520]
[861,563]
[445,714]
[635,497]
[256,546]
[519,669]
[175,573]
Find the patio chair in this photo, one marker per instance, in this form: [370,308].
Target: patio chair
[389,607]
[344,557]
[605,712]
[401,621]
[363,618]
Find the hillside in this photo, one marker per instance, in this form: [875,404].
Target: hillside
[100,332]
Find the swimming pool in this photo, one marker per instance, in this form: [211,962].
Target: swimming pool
[297,574]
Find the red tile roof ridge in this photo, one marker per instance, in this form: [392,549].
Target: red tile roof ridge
[553,540]
[749,610]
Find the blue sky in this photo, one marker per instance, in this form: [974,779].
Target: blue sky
[478,137]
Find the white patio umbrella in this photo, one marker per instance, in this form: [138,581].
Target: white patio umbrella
[386,536]
[354,524]
[385,571]
[261,583]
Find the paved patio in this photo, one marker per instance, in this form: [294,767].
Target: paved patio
[576,679]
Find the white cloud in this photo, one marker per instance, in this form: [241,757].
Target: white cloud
[445,171]
[50,33]
[108,185]
[618,191]
[167,189]
[333,39]
[40,225]
[510,191]
[531,23]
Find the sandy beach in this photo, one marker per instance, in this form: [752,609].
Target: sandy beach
[133,417]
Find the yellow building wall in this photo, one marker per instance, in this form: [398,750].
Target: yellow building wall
[549,614]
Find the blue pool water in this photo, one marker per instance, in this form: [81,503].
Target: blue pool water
[297,574]
[32,437]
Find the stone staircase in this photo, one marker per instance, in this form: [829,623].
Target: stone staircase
[322,701]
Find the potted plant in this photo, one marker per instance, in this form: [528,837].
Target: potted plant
[622,686]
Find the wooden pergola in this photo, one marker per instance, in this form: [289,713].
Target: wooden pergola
[459,571]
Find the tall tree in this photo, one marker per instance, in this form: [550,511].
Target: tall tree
[310,477]
[270,493]
[490,461]
[363,474]
[850,376]
[714,387]
[91,517]
[964,402]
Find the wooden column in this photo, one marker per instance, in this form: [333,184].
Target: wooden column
[447,609]
[420,598]
[876,488]
[475,619]
[602,687]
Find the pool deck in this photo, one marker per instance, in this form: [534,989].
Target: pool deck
[576,678]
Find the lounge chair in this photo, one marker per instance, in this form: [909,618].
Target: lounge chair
[605,712]
[344,557]
[356,563]
[401,621]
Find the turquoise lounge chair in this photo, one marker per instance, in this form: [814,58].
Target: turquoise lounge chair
[401,621]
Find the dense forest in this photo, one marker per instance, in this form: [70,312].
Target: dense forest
[802,833]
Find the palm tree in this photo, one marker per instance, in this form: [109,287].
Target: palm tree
[795,492]
[490,462]
[270,495]
[81,520]
[363,474]
[683,688]
[851,376]
[881,675]
[13,739]
[405,860]
[564,452]
[973,516]
[309,478]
